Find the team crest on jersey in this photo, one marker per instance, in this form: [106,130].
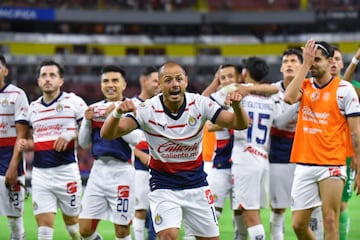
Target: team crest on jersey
[59,108]
[158,219]
[4,102]
[326,96]
[192,121]
[315,96]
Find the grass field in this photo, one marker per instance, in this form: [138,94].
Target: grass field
[226,232]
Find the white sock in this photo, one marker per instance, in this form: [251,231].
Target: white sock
[257,232]
[73,230]
[94,236]
[277,226]
[139,228]
[240,228]
[45,233]
[128,237]
[316,223]
[16,226]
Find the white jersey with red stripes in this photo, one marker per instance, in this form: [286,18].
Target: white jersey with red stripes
[13,109]
[49,121]
[175,140]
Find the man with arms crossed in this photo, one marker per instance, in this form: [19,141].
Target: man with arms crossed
[54,118]
[328,107]
[14,106]
[173,125]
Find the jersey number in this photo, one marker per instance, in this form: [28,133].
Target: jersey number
[259,125]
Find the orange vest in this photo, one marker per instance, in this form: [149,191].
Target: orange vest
[208,145]
[321,128]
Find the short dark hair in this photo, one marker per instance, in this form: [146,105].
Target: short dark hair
[49,62]
[146,71]
[293,51]
[326,48]
[237,68]
[257,68]
[113,68]
[3,60]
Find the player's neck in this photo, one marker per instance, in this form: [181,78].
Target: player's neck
[321,81]
[49,97]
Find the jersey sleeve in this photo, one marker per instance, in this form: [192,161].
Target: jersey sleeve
[350,101]
[79,106]
[21,107]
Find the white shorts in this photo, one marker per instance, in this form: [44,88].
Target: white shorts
[220,182]
[281,179]
[142,190]
[305,189]
[56,187]
[109,192]
[195,205]
[12,202]
[208,166]
[250,183]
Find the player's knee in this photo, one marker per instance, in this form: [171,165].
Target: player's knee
[122,230]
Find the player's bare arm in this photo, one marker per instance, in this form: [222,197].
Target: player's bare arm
[115,126]
[292,93]
[22,131]
[234,120]
[348,75]
[354,125]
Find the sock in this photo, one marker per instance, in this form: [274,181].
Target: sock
[316,223]
[240,228]
[45,233]
[344,224]
[128,237]
[94,236]
[16,227]
[73,230]
[257,232]
[138,228]
[277,226]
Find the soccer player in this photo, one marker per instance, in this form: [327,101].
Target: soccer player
[54,118]
[110,189]
[149,83]
[344,224]
[329,107]
[173,123]
[250,166]
[14,105]
[281,139]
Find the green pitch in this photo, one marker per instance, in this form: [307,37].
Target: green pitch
[226,231]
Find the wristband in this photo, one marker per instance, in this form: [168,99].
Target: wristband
[68,136]
[116,114]
[354,61]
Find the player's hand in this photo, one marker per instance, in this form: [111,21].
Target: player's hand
[11,176]
[89,113]
[22,145]
[309,52]
[126,107]
[233,99]
[63,141]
